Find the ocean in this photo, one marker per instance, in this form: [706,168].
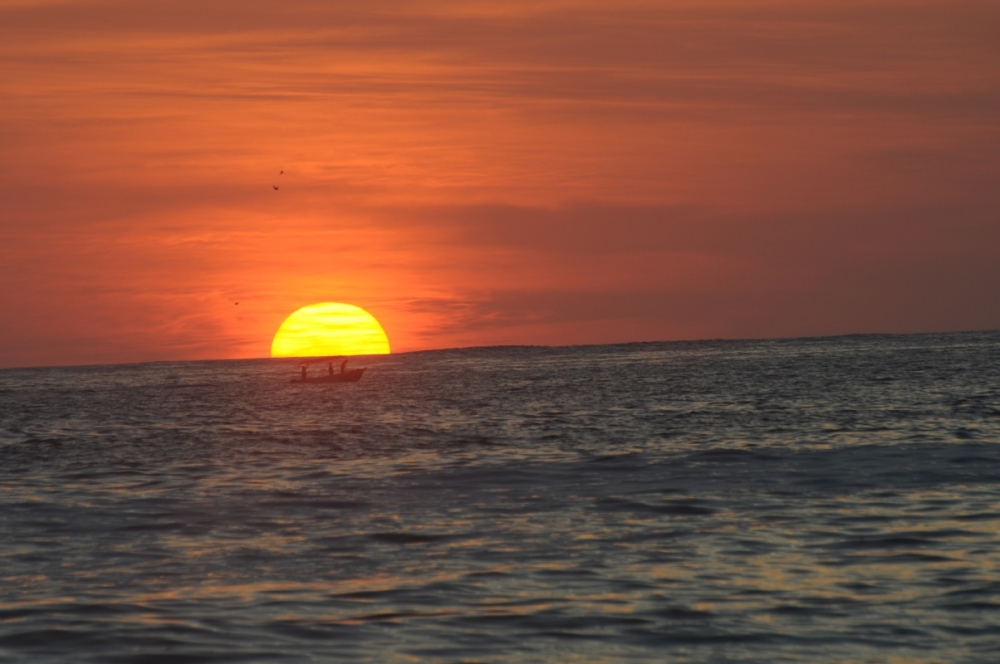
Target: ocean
[806,500]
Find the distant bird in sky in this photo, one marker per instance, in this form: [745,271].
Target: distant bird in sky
[275,187]
[281,173]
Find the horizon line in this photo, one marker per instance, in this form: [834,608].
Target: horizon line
[297,359]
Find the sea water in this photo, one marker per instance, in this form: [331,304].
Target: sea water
[828,500]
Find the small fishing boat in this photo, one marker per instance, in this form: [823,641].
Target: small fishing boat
[345,375]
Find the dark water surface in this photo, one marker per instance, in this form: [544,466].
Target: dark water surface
[833,500]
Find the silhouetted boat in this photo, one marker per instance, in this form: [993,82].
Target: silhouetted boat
[350,376]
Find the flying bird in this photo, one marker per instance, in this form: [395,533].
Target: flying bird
[275,187]
[281,173]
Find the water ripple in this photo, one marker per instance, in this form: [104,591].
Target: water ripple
[794,500]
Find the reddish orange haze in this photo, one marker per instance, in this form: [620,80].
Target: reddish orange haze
[493,173]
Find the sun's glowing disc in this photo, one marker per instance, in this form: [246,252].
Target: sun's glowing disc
[329,328]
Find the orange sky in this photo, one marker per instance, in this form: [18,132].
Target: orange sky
[480,173]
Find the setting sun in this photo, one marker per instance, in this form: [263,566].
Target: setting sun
[329,328]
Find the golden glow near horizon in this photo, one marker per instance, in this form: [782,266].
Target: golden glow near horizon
[329,328]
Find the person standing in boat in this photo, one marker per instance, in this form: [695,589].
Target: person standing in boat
[343,366]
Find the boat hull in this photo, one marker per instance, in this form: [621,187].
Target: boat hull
[352,376]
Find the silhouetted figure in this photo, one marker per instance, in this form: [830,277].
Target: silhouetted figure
[303,373]
[343,366]
[330,367]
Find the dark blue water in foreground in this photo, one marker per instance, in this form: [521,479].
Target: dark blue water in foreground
[823,500]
